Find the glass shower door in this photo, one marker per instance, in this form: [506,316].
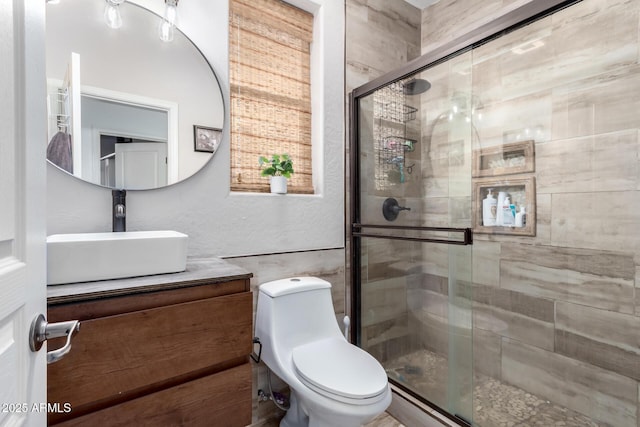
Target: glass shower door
[412,240]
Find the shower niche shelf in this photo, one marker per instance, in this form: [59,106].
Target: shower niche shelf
[521,192]
[506,159]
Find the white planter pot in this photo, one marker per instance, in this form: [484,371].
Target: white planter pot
[278,184]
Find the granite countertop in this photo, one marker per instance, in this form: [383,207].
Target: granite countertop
[199,271]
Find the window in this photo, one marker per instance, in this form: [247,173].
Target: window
[270,46]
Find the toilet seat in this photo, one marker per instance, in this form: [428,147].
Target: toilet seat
[340,371]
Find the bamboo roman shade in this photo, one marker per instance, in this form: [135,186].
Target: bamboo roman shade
[269,45]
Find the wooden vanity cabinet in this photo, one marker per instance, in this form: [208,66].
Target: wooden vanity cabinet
[177,357]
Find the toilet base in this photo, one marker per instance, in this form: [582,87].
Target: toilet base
[296,416]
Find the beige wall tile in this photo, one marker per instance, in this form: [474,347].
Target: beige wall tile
[606,162]
[543,219]
[594,278]
[486,263]
[448,19]
[598,393]
[604,263]
[430,302]
[605,220]
[397,19]
[389,340]
[606,30]
[599,337]
[433,332]
[380,36]
[519,119]
[356,9]
[329,266]
[517,302]
[599,104]
[637,290]
[487,353]
[383,300]
[515,65]
[513,325]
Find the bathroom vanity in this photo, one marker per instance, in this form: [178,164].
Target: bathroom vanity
[163,350]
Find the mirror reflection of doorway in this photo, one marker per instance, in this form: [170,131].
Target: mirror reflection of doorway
[132,163]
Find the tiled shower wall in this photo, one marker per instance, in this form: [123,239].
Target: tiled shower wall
[381,35]
[558,314]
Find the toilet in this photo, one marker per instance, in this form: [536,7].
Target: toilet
[332,382]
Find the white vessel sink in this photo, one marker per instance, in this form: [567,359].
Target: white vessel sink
[86,257]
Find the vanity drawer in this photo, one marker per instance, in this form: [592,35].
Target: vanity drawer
[221,397]
[121,357]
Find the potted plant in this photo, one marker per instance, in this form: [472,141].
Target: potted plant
[279,168]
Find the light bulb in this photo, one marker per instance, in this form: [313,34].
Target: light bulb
[165,31]
[112,16]
[170,13]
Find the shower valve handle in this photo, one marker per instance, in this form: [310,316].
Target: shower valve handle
[391,209]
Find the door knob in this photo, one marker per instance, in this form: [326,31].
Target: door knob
[41,331]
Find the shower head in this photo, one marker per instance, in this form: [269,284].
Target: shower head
[416,87]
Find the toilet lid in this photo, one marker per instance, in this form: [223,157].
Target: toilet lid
[336,367]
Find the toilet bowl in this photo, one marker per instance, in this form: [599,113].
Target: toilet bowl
[332,382]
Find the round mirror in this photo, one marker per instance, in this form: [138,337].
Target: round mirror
[125,109]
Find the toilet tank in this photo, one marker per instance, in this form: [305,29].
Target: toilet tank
[294,311]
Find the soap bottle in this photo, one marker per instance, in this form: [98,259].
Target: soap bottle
[500,211]
[508,219]
[521,218]
[489,210]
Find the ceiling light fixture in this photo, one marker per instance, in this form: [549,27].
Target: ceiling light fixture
[112,13]
[168,22]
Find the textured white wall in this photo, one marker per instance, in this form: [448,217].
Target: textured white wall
[219,222]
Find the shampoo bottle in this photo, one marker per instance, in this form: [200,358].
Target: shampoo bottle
[521,218]
[508,220]
[489,210]
[500,211]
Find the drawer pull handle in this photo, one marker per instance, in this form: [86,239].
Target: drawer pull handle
[42,331]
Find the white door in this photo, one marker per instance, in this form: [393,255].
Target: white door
[141,165]
[23,140]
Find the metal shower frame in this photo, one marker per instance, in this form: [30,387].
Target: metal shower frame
[513,20]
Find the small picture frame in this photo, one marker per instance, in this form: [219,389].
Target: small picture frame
[506,159]
[206,139]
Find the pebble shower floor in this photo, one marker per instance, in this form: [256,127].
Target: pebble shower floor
[495,404]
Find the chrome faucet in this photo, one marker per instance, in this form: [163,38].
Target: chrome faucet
[119,210]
